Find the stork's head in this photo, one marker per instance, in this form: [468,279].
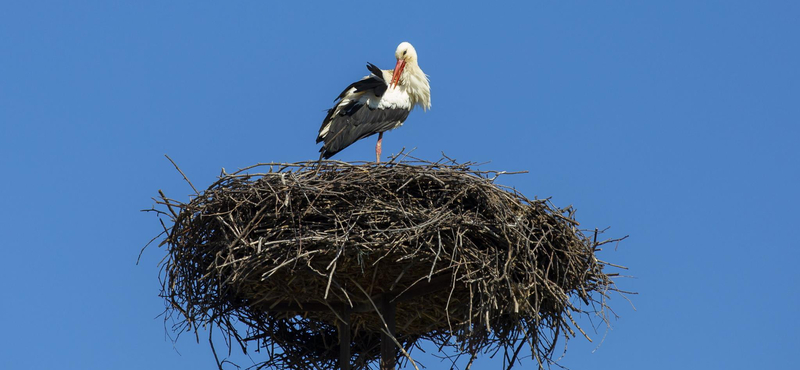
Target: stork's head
[405,53]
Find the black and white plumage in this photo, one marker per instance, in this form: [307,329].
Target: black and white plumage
[377,103]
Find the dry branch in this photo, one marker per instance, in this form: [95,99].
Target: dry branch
[470,265]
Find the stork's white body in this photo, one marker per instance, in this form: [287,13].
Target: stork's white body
[375,104]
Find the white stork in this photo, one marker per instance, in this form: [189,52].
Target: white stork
[371,106]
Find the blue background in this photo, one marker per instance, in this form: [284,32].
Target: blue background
[675,122]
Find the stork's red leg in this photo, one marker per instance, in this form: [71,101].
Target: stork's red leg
[378,148]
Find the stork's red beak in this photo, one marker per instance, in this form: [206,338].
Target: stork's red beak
[398,70]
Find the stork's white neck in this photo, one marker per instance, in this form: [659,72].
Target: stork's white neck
[416,83]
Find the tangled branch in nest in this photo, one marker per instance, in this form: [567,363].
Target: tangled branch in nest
[470,265]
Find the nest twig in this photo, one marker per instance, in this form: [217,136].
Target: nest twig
[274,258]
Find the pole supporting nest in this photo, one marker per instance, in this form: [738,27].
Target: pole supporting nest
[387,310]
[344,338]
[388,348]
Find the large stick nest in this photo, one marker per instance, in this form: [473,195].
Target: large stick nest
[275,258]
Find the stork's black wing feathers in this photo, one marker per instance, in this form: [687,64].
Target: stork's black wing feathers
[351,120]
[357,121]
[374,82]
[375,70]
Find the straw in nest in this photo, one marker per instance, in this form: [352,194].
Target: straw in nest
[295,251]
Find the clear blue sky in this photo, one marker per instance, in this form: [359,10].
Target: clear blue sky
[676,122]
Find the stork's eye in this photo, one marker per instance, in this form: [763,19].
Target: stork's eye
[404,52]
